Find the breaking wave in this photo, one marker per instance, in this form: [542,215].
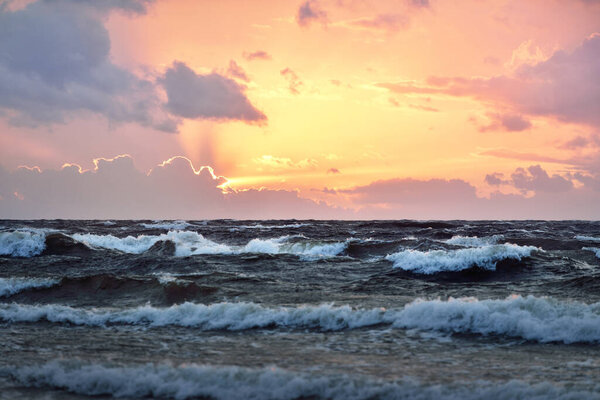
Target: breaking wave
[587,238]
[11,286]
[218,316]
[178,224]
[237,383]
[530,318]
[473,241]
[596,250]
[189,243]
[434,261]
[22,243]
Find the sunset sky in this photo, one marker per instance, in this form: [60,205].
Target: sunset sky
[477,109]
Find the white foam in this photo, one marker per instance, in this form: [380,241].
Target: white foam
[189,243]
[178,224]
[10,286]
[594,249]
[531,318]
[587,238]
[218,316]
[239,383]
[434,261]
[473,241]
[22,243]
[260,226]
[108,223]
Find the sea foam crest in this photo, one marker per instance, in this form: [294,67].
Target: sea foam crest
[238,383]
[158,224]
[596,250]
[11,286]
[587,238]
[22,243]
[218,316]
[473,241]
[531,318]
[189,243]
[434,261]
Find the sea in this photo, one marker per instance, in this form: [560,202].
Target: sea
[230,309]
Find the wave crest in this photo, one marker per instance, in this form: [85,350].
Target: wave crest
[434,261]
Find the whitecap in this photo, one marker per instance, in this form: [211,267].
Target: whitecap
[11,286]
[435,261]
[22,242]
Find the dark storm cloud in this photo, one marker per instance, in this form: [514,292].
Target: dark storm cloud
[55,64]
[210,96]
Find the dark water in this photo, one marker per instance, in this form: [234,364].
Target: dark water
[300,309]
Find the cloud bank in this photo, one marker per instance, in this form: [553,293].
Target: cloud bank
[175,189]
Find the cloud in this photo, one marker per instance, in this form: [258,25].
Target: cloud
[115,188]
[293,81]
[257,55]
[211,96]
[309,12]
[506,122]
[271,162]
[420,3]
[333,171]
[385,22]
[565,86]
[55,65]
[236,71]
[582,142]
[533,178]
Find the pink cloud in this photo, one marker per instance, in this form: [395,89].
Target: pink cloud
[566,86]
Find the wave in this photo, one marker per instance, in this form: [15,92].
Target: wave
[435,261]
[178,224]
[237,383]
[531,318]
[260,226]
[22,243]
[473,241]
[11,286]
[189,243]
[587,238]
[594,249]
[218,316]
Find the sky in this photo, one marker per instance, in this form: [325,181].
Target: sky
[325,109]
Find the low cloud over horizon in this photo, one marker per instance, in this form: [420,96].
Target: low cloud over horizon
[175,189]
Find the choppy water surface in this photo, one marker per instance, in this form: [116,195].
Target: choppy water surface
[300,309]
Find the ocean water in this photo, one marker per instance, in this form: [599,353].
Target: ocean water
[300,309]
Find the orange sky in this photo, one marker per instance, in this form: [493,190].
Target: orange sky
[353,92]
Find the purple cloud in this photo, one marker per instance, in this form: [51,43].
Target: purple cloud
[211,96]
[309,12]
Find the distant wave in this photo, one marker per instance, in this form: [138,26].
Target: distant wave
[531,318]
[11,286]
[434,261]
[473,241]
[587,238]
[239,383]
[594,249]
[22,243]
[178,224]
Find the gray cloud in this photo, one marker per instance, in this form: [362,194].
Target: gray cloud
[54,65]
[211,96]
[236,71]
[309,12]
